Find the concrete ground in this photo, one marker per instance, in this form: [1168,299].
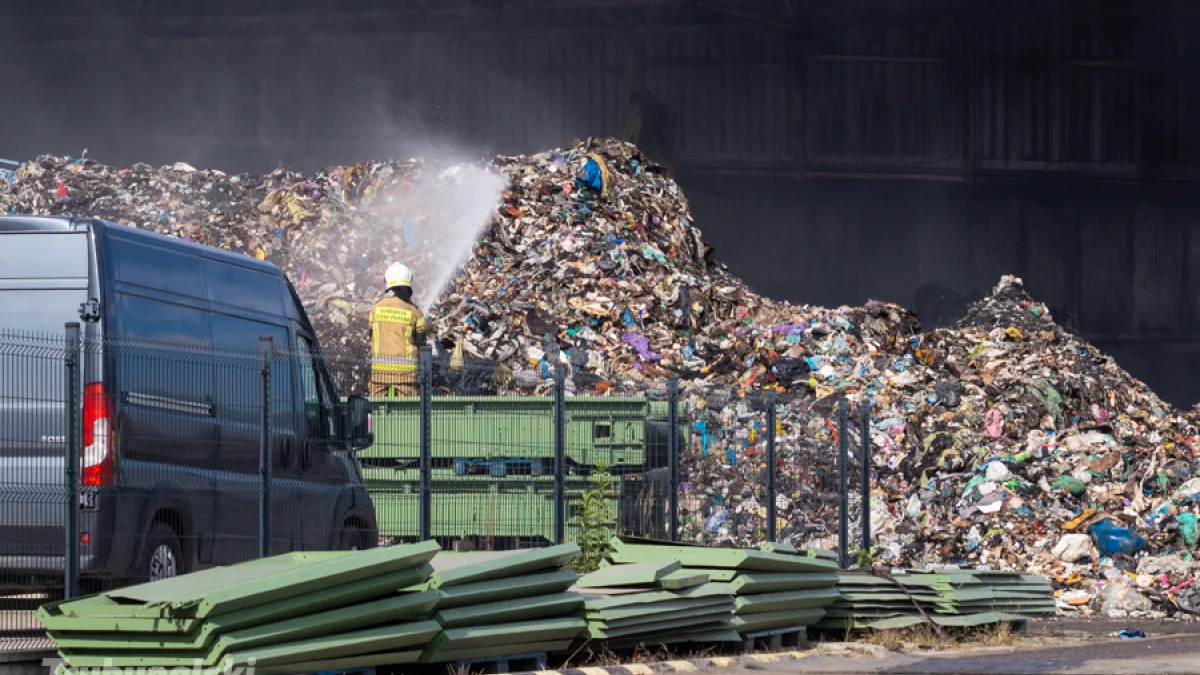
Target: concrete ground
[1057,647]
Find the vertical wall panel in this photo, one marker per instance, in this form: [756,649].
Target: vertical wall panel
[1106,269]
[995,243]
[1158,258]
[1052,247]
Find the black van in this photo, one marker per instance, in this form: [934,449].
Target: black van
[171,407]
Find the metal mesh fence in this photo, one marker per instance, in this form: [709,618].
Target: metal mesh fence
[33,494]
[189,457]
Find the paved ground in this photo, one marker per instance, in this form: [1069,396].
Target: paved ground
[1168,655]
[1104,627]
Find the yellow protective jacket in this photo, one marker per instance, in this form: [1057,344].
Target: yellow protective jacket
[397,329]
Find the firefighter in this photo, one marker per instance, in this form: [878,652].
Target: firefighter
[397,331]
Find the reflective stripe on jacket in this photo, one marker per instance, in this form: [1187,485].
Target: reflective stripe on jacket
[394,327]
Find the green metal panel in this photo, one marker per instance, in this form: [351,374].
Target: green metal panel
[750,583]
[454,569]
[653,622]
[668,638]
[851,597]
[951,597]
[507,611]
[342,664]
[604,602]
[101,613]
[184,648]
[596,633]
[679,580]
[740,559]
[505,589]
[716,574]
[771,602]
[333,596]
[960,621]
[780,547]
[208,595]
[470,637]
[382,638]
[548,646]
[640,574]
[751,623]
[180,589]
[648,610]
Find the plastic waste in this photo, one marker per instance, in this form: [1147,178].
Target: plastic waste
[1073,548]
[1112,539]
[1070,485]
[1121,600]
[1188,528]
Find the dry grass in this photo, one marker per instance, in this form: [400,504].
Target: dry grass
[926,638]
[997,635]
[916,638]
[599,655]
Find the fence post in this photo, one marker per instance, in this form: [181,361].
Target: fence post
[560,453]
[425,387]
[772,516]
[673,458]
[266,347]
[843,497]
[71,463]
[864,433]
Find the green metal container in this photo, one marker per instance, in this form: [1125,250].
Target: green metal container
[607,430]
[473,507]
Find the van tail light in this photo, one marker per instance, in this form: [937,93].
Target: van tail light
[99,437]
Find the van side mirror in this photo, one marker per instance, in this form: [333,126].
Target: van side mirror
[360,423]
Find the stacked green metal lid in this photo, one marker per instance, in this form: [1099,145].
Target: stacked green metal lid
[655,603]
[293,613]
[503,603]
[944,597]
[777,586]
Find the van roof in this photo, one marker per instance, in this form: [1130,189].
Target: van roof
[67,223]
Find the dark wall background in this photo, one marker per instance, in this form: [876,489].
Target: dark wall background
[833,151]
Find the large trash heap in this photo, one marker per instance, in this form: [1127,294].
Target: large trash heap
[1005,441]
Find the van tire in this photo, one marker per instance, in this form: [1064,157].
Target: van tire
[162,558]
[353,538]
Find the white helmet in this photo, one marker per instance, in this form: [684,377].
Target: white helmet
[397,274]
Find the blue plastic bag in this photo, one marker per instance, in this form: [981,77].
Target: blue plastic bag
[1112,539]
[594,175]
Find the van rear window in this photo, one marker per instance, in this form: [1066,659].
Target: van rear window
[39,311]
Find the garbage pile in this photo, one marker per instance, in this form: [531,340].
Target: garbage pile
[1004,441]
[1032,450]
[590,254]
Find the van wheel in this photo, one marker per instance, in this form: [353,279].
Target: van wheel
[353,539]
[163,556]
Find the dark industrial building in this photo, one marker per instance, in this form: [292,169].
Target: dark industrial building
[833,151]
